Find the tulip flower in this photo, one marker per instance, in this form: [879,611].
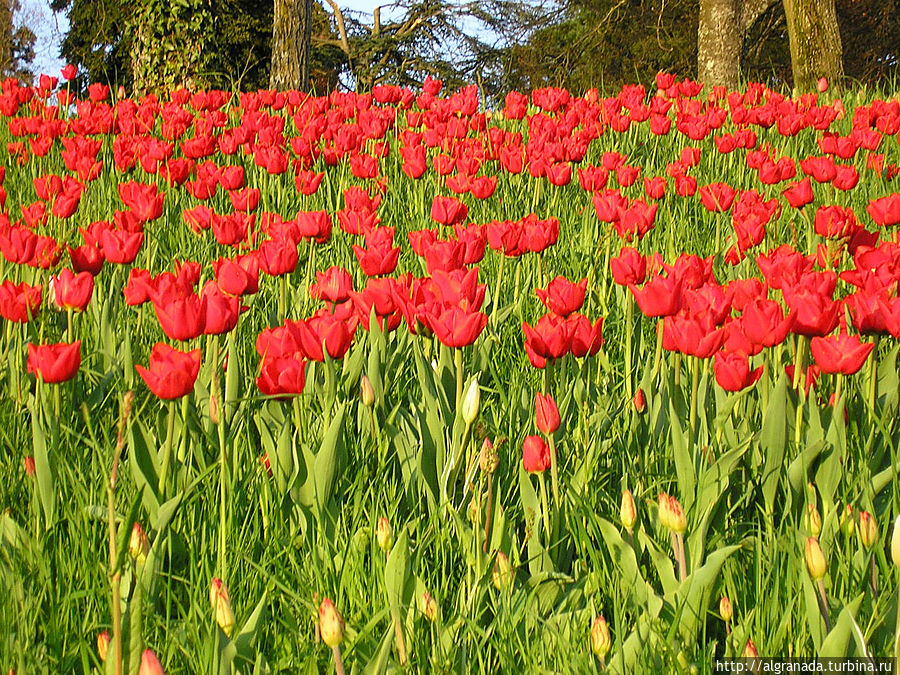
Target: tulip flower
[220,602]
[331,624]
[546,414]
[600,638]
[535,454]
[172,373]
[150,665]
[282,376]
[842,353]
[733,372]
[19,302]
[71,290]
[562,296]
[54,363]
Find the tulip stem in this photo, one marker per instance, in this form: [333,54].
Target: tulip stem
[543,487]
[554,476]
[338,662]
[695,386]
[496,298]
[629,328]
[873,376]
[487,514]
[823,605]
[167,452]
[799,380]
[458,357]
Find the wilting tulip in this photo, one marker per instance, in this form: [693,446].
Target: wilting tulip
[429,606]
[54,363]
[172,373]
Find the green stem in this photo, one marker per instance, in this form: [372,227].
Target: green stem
[496,297]
[554,476]
[458,358]
[543,486]
[695,386]
[167,452]
[873,376]
[629,329]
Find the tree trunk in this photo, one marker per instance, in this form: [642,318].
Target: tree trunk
[815,43]
[291,40]
[719,39]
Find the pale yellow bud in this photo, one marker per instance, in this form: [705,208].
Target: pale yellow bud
[429,607]
[489,458]
[384,534]
[138,544]
[812,520]
[750,650]
[678,524]
[331,624]
[221,605]
[503,573]
[725,609]
[815,559]
[868,529]
[366,391]
[600,639]
[895,543]
[103,644]
[627,510]
[471,401]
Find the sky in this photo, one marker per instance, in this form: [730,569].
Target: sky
[50,28]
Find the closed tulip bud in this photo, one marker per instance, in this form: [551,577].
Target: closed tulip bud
[627,511]
[848,522]
[29,466]
[546,414]
[384,534]
[150,665]
[895,543]
[429,607]
[639,401]
[678,524]
[331,624]
[489,459]
[138,545]
[664,512]
[103,644]
[600,640]
[471,401]
[868,529]
[725,609]
[221,605]
[750,650]
[214,409]
[366,392]
[815,559]
[812,520]
[503,573]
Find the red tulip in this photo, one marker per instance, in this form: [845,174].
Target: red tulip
[546,414]
[661,296]
[72,291]
[145,201]
[220,311]
[181,318]
[19,302]
[535,454]
[282,376]
[842,353]
[54,362]
[717,197]
[562,296]
[454,326]
[885,211]
[278,257]
[764,323]
[629,268]
[799,194]
[448,210]
[172,373]
[332,285]
[733,371]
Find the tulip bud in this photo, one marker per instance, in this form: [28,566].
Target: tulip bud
[489,459]
[384,534]
[546,414]
[29,466]
[848,523]
[503,573]
[750,650]
[725,609]
[366,391]
[822,85]
[331,624]
[895,543]
[214,409]
[639,401]
[138,545]
[868,529]
[103,644]
[664,511]
[221,604]
[812,520]
[600,640]
[815,559]
[627,511]
[677,524]
[471,401]
[150,665]
[429,606]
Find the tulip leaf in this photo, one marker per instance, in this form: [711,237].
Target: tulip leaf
[144,468]
[684,463]
[399,585]
[695,591]
[813,614]
[245,638]
[232,379]
[773,441]
[124,531]
[328,459]
[888,381]
[836,643]
[43,470]
[665,569]
[284,466]
[633,584]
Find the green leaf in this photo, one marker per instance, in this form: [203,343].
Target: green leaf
[836,643]
[42,468]
[633,584]
[328,459]
[246,637]
[684,463]
[773,441]
[695,591]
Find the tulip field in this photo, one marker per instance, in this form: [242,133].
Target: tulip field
[394,382]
